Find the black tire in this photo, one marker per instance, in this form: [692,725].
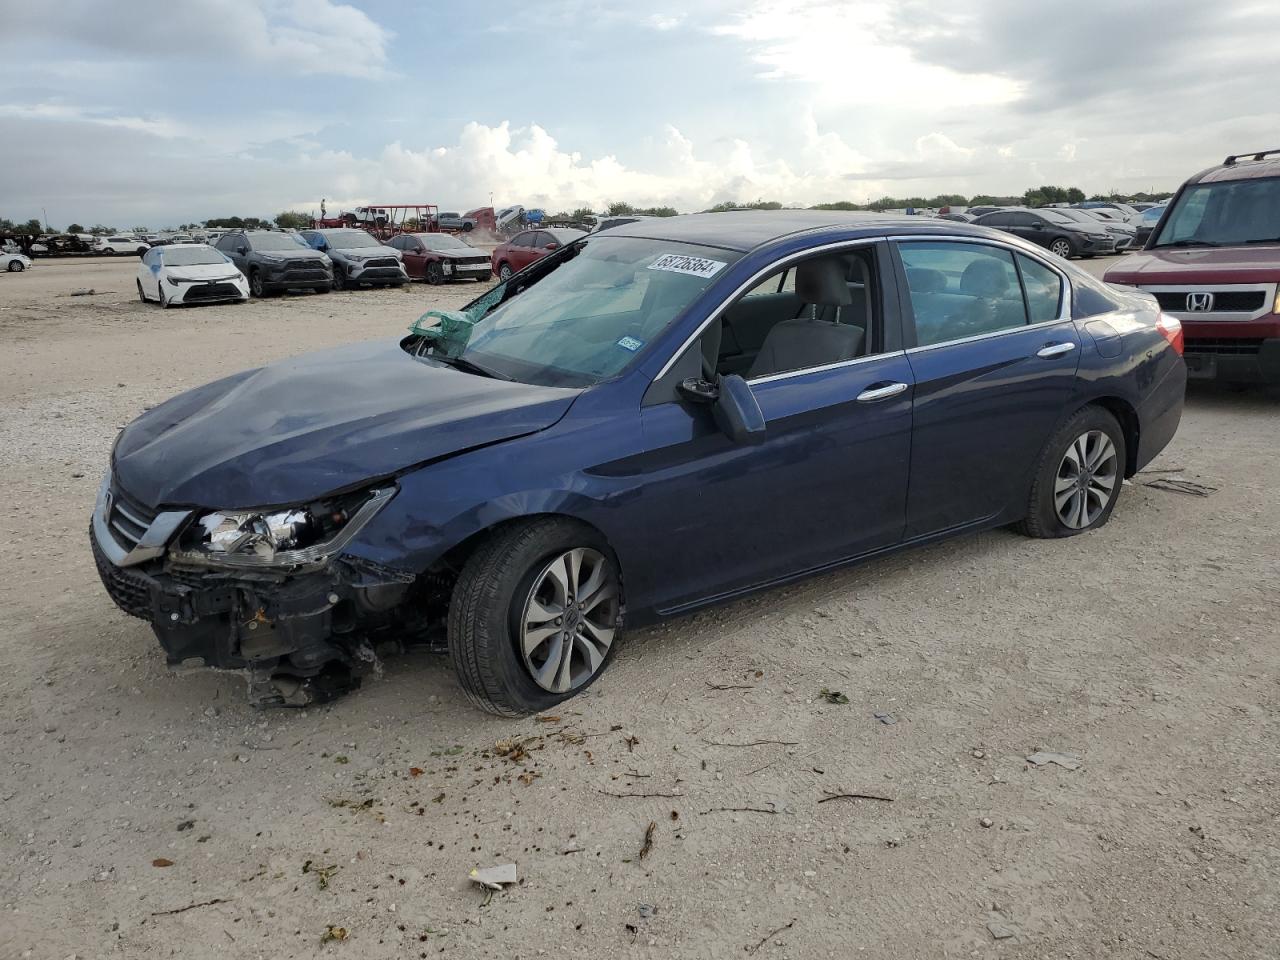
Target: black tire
[1059,244]
[433,273]
[160,290]
[504,271]
[141,296]
[256,287]
[488,602]
[467,226]
[1042,520]
[17,266]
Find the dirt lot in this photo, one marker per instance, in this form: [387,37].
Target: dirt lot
[1148,649]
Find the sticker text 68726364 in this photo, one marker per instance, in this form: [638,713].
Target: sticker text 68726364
[693,266]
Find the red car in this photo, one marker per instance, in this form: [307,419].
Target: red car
[1213,261]
[524,248]
[440,257]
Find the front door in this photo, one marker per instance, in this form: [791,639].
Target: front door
[828,480]
[993,370]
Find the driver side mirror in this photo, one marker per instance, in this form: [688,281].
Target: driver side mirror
[733,406]
[242,250]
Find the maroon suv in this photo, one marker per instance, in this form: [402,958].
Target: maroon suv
[1213,261]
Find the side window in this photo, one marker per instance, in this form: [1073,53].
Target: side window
[522,240]
[1093,298]
[397,242]
[818,312]
[1044,289]
[996,220]
[961,290]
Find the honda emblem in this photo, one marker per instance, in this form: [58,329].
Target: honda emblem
[1199,302]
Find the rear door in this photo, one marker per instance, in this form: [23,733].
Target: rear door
[994,361]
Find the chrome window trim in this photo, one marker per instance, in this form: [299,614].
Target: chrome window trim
[788,374]
[1063,307]
[752,281]
[989,336]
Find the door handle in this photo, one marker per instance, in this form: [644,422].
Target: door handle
[872,394]
[1055,350]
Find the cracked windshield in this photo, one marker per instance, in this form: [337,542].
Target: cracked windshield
[586,320]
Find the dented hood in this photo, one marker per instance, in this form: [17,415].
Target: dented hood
[307,426]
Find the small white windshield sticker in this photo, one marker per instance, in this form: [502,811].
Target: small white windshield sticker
[630,343]
[693,266]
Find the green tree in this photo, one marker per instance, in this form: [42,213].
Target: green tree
[582,213]
[620,208]
[292,220]
[75,228]
[839,205]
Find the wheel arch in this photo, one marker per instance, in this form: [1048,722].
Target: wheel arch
[1127,417]
[454,559]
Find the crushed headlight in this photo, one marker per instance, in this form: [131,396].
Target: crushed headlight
[296,536]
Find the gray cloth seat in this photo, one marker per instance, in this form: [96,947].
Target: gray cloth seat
[815,340]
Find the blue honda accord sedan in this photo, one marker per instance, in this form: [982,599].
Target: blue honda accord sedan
[669,414]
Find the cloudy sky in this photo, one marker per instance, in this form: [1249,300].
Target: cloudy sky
[144,113]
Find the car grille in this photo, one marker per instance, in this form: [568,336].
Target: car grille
[1238,348]
[211,291]
[305,270]
[127,519]
[1224,301]
[129,590]
[472,261]
[391,262]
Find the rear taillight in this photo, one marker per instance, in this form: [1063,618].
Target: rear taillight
[1171,329]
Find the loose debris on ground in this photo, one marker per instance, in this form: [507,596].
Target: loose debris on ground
[1041,757]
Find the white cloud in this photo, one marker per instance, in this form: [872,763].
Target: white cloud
[296,36]
[839,49]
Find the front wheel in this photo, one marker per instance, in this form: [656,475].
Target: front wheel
[434,273]
[536,616]
[141,296]
[17,266]
[1062,247]
[504,271]
[256,286]
[1078,477]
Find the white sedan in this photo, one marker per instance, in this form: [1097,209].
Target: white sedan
[14,262]
[189,273]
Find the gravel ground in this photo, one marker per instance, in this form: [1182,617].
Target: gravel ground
[1147,649]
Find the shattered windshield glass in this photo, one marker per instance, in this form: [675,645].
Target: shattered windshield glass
[586,320]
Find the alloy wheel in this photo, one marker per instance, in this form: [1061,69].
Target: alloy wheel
[1061,248]
[435,273]
[504,272]
[16,266]
[255,284]
[1086,480]
[569,620]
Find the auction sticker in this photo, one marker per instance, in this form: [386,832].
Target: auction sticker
[693,266]
[630,343]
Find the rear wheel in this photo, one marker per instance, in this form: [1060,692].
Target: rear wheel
[504,271]
[434,273]
[535,617]
[1062,247]
[1078,477]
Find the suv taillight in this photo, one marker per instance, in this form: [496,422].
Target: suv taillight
[1171,329]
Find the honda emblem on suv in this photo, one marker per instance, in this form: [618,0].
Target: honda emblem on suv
[1199,302]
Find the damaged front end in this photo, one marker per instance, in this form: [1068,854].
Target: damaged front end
[264,591]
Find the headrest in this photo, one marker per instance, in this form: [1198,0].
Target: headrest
[823,282]
[924,280]
[984,278]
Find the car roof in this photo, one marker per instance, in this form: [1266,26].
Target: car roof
[1239,170]
[744,230]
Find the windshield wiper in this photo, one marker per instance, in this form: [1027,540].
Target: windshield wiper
[469,366]
[1188,243]
[1261,240]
